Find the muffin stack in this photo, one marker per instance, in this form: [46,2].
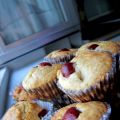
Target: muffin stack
[85,79]
[41,80]
[40,84]
[92,75]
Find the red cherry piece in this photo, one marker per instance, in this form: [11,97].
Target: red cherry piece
[67,69]
[71,114]
[93,46]
[45,64]
[64,49]
[42,113]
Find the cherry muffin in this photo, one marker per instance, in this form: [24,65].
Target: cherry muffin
[41,81]
[61,56]
[89,76]
[84,111]
[25,110]
[109,46]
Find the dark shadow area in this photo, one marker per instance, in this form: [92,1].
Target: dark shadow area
[100,24]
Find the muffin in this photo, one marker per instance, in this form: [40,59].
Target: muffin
[25,110]
[60,56]
[41,81]
[108,46]
[20,94]
[84,111]
[89,76]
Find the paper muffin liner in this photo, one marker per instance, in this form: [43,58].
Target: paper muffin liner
[48,106]
[100,91]
[106,115]
[50,92]
[61,60]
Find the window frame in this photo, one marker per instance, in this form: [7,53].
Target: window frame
[40,39]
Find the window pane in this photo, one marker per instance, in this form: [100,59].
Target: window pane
[96,8]
[21,18]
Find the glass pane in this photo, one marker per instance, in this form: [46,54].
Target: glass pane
[21,18]
[96,8]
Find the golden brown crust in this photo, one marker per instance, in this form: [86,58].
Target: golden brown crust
[23,111]
[40,76]
[109,46]
[89,111]
[58,53]
[21,94]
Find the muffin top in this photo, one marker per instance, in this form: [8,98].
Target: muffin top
[20,94]
[24,111]
[41,75]
[109,46]
[85,70]
[82,111]
[61,53]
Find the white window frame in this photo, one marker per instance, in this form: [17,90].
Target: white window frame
[37,40]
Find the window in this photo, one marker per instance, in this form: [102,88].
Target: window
[29,24]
